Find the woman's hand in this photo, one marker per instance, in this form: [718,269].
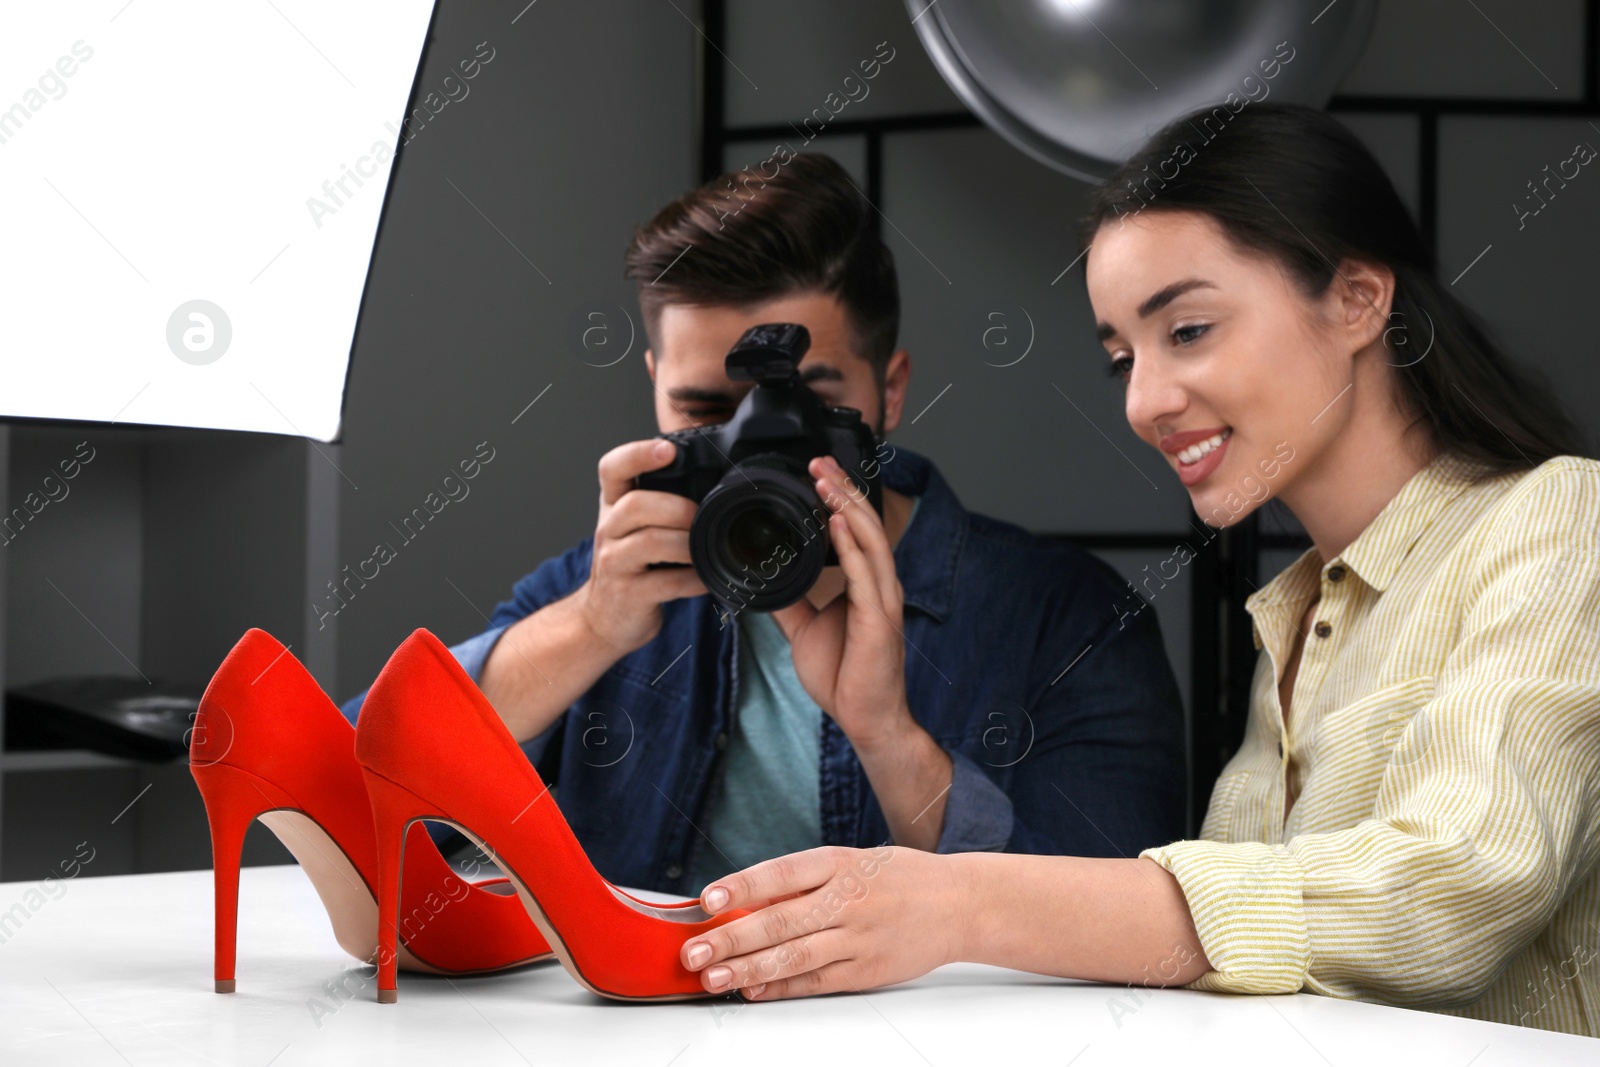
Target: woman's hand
[835,919]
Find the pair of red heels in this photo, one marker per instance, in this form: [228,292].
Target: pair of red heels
[269,744]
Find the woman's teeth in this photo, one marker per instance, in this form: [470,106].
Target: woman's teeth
[1193,453]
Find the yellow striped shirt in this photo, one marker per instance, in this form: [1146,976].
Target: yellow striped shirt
[1443,755]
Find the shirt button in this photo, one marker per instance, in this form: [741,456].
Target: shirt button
[1336,574]
[722,740]
[1324,629]
[674,871]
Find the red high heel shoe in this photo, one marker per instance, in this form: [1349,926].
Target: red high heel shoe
[431,746]
[269,744]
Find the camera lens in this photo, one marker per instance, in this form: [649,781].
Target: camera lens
[754,536]
[758,541]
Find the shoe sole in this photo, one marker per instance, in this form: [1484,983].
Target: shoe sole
[350,904]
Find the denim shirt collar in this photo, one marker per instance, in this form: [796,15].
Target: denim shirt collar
[928,555]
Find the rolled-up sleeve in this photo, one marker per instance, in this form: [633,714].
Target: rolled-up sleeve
[977,812]
[472,654]
[549,582]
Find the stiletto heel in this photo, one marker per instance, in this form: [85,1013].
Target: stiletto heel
[230,808]
[394,810]
[427,742]
[269,744]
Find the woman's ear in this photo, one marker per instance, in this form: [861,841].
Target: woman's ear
[1365,298]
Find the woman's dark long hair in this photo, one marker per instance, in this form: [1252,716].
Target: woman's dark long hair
[1293,183]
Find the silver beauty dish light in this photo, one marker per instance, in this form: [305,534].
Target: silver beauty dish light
[1080,84]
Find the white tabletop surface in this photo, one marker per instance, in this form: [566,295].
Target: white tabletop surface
[117,970]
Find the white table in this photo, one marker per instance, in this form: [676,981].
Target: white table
[117,970]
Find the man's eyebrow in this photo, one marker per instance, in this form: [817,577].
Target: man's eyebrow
[691,394]
[821,372]
[1158,300]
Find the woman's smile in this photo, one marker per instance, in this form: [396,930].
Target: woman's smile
[1198,452]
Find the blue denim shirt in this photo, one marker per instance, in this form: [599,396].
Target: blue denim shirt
[1060,711]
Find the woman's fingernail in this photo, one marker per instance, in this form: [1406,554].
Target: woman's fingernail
[719,977]
[755,991]
[716,898]
[699,954]
[663,449]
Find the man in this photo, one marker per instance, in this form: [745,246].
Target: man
[955,684]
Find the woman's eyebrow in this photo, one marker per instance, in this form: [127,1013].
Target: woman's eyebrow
[1157,300]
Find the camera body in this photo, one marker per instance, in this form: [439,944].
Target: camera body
[759,539]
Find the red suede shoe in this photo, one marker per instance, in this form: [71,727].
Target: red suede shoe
[269,744]
[431,746]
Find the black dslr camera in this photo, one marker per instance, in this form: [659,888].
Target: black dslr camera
[755,539]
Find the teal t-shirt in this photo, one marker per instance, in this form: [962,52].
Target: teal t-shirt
[770,803]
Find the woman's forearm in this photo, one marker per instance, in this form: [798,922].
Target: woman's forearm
[1106,920]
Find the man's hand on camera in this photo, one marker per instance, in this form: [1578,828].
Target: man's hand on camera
[850,655]
[621,601]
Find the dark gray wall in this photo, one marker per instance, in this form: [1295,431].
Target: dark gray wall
[507,223]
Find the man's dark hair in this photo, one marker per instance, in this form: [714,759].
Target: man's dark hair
[753,236]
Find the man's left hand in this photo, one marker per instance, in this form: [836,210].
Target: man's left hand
[850,655]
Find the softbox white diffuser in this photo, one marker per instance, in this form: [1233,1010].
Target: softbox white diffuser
[192,193]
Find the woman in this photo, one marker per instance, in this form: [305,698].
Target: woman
[1414,815]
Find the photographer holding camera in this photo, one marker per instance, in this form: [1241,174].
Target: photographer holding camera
[940,679]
